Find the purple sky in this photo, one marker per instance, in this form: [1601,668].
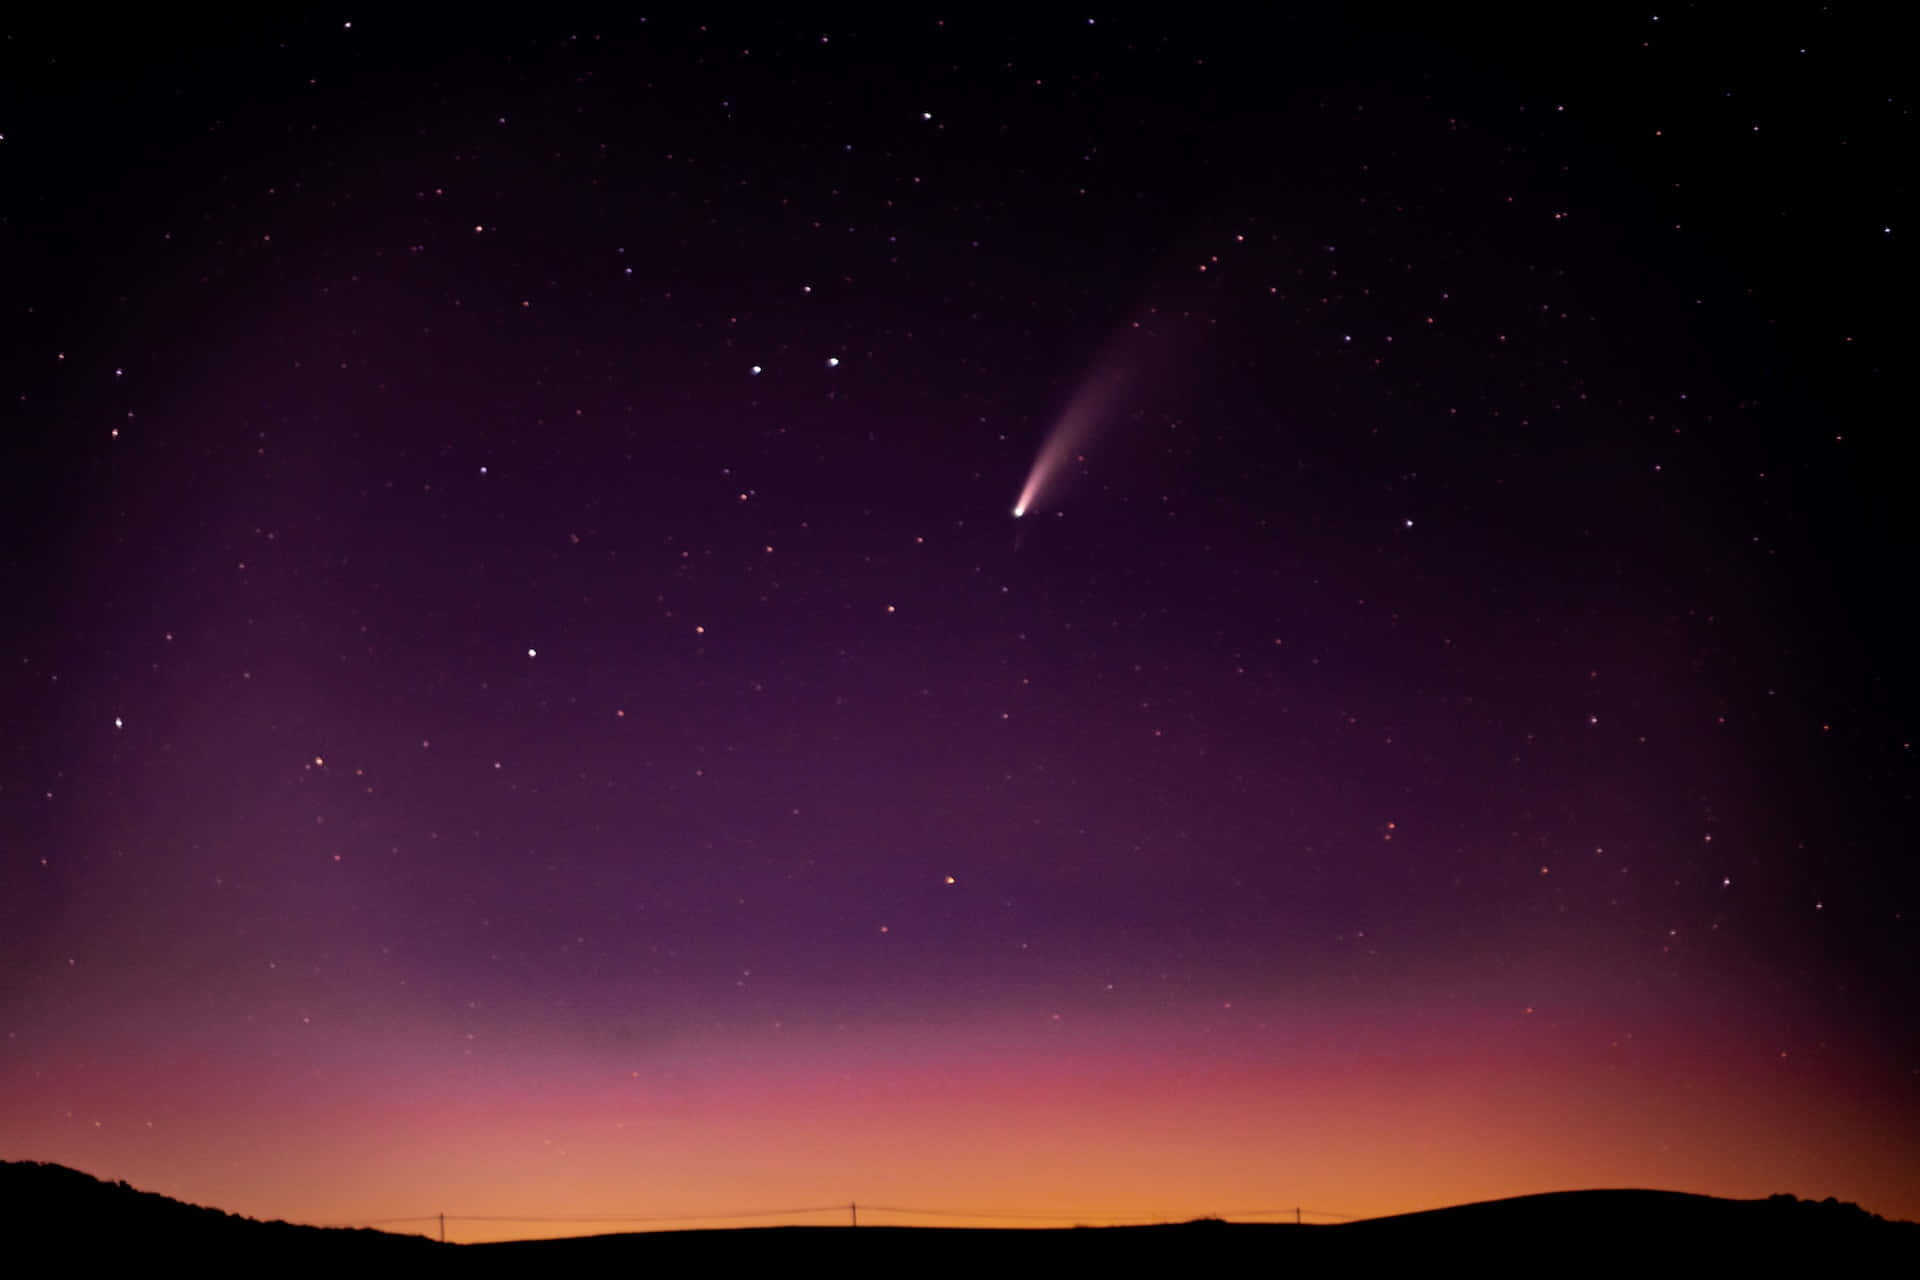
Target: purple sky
[512,594]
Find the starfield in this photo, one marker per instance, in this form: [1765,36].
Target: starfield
[1013,617]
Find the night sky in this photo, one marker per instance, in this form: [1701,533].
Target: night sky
[525,692]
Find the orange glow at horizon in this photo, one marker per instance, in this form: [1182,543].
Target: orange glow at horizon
[1083,1133]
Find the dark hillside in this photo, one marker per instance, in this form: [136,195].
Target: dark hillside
[51,1210]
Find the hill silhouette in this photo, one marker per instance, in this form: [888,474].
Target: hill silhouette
[1552,1233]
[52,1210]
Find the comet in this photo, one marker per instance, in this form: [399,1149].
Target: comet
[1090,407]
[1119,383]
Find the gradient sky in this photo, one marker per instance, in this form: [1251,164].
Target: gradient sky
[525,694]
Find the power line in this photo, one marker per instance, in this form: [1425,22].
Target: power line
[1015,1214]
[677,1217]
[1029,1215]
[1011,1215]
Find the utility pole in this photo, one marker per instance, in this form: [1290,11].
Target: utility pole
[443,1228]
[854,1209]
[1296,1215]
